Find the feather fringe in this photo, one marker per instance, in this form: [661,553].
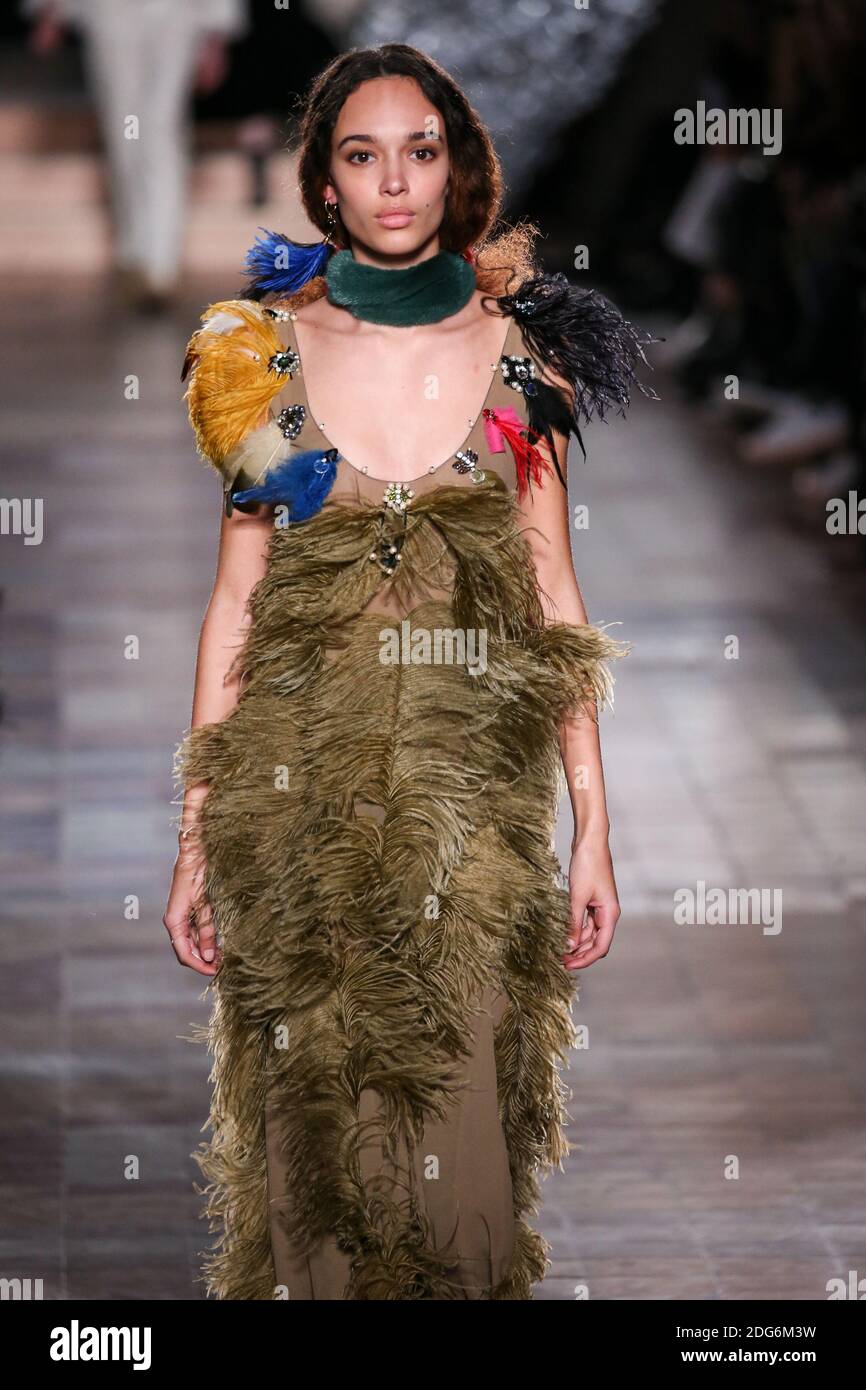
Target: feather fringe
[529,462]
[254,457]
[319,908]
[302,482]
[547,411]
[585,339]
[278,265]
[230,383]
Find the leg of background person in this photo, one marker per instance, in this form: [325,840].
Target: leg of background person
[169,46]
[111,55]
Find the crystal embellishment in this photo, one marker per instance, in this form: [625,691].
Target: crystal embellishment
[466,461]
[291,421]
[387,553]
[285,362]
[326,460]
[398,496]
[519,374]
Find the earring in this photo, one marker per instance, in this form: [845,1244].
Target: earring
[330,218]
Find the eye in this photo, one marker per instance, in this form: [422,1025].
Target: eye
[425,149]
[355,153]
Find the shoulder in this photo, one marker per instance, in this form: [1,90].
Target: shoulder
[585,352]
[233,369]
[237,362]
[230,364]
[228,325]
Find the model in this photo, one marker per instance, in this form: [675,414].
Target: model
[396,680]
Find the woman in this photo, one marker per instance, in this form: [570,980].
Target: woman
[368,820]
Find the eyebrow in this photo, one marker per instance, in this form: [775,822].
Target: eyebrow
[371,139]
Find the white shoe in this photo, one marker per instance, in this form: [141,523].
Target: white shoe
[755,399]
[799,431]
[753,402]
[683,342]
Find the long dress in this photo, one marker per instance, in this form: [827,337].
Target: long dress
[392,1011]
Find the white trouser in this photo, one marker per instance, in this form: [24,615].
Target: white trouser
[141,59]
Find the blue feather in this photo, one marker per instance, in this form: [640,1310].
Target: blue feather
[278,265]
[302,481]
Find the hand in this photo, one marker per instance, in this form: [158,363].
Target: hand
[212,64]
[595,908]
[191,931]
[46,35]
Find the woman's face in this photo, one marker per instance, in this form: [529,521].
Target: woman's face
[389,171]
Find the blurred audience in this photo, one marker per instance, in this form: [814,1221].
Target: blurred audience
[145,58]
[778,246]
[760,257]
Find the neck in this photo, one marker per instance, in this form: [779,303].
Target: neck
[426,290]
[400,260]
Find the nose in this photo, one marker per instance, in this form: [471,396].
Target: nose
[393,178]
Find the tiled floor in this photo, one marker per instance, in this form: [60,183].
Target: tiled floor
[719,1094]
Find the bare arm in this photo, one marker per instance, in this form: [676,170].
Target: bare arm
[547,532]
[228,400]
[591,878]
[241,563]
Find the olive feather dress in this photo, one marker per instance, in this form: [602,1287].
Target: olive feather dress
[392,1010]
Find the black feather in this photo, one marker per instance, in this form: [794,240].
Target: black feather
[547,411]
[585,339]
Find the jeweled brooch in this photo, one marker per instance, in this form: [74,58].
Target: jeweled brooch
[291,421]
[466,461]
[285,362]
[387,553]
[519,374]
[398,496]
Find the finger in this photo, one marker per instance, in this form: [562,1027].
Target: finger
[203,930]
[583,942]
[601,944]
[578,953]
[186,954]
[582,925]
[581,962]
[202,918]
[176,919]
[586,939]
[606,917]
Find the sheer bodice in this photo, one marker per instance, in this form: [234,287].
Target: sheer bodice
[353,484]
[426,568]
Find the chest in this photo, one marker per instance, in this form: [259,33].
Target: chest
[394,413]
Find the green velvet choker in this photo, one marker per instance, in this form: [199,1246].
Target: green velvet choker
[422,293]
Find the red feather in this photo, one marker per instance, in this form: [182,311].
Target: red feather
[530,463]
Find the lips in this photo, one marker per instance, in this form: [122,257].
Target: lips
[397,215]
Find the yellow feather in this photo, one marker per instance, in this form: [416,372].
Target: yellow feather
[230,385]
[249,463]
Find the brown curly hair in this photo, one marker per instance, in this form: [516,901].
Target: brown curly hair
[503,259]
